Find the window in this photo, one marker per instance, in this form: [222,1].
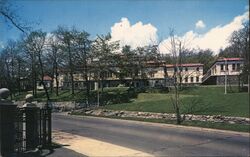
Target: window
[117,76]
[186,79]
[76,85]
[109,74]
[192,79]
[197,69]
[165,70]
[197,79]
[238,66]
[180,69]
[186,69]
[226,66]
[233,66]
[221,67]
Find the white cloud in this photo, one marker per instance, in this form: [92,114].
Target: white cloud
[135,35]
[200,24]
[214,39]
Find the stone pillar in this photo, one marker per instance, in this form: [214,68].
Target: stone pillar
[31,123]
[7,124]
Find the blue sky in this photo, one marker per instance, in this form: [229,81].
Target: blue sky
[98,16]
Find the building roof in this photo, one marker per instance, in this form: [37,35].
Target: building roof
[229,59]
[185,65]
[225,59]
[47,78]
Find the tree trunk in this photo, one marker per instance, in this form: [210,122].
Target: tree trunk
[87,89]
[57,82]
[35,86]
[248,83]
[9,79]
[52,83]
[71,71]
[239,83]
[72,82]
[18,79]
[177,110]
[43,83]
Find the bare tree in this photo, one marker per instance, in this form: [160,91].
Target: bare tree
[176,48]
[176,99]
[8,13]
[83,49]
[54,56]
[67,45]
[11,56]
[35,45]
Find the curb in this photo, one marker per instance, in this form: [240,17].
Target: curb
[245,134]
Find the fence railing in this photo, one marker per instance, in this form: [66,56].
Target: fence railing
[32,129]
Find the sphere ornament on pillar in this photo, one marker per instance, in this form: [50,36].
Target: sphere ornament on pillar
[4,94]
[29,99]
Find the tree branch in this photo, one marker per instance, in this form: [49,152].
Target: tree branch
[12,21]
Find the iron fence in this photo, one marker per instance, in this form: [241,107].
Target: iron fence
[32,131]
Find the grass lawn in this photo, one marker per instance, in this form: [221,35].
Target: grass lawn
[79,96]
[64,95]
[207,100]
[194,100]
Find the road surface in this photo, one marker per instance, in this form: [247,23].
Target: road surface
[155,139]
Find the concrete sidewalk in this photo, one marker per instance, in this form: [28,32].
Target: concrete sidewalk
[54,152]
[91,147]
[61,152]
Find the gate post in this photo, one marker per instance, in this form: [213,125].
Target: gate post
[7,124]
[31,123]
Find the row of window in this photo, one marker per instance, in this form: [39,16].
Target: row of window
[192,79]
[186,69]
[234,66]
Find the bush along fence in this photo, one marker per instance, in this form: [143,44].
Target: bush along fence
[22,128]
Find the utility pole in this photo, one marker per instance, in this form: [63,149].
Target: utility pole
[226,68]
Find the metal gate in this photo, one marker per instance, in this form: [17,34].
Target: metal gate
[45,127]
[20,142]
[42,137]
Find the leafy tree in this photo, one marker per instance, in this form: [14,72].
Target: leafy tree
[239,47]
[129,66]
[240,43]
[103,49]
[205,57]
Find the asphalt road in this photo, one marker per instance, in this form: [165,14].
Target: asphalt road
[156,139]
